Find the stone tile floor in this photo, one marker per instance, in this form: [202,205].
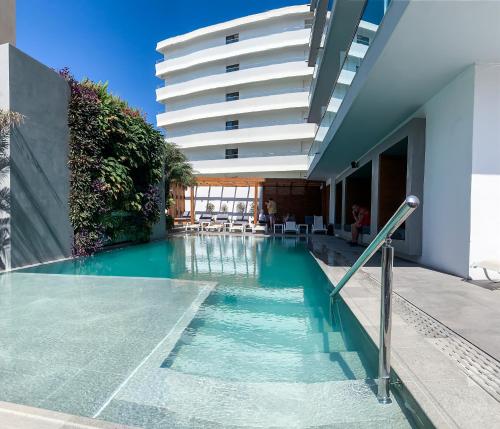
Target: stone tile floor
[469,309]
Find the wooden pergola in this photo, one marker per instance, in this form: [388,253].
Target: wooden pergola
[254,182]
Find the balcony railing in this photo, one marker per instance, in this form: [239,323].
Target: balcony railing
[356,53]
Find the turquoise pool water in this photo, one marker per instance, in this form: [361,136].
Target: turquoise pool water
[266,327]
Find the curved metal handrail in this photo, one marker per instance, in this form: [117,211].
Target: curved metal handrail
[402,213]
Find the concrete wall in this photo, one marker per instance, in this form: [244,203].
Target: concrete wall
[485,180]
[39,179]
[446,211]
[8,21]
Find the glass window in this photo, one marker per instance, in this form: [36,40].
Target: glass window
[233,38]
[231,153]
[232,68]
[231,96]
[363,40]
[232,125]
[308,23]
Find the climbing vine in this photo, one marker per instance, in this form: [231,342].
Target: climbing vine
[116,167]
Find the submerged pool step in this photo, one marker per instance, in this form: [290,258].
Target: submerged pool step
[242,319]
[326,342]
[258,366]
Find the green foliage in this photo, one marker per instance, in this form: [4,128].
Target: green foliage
[169,222]
[210,208]
[177,170]
[116,166]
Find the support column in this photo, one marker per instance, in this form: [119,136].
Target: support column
[255,202]
[192,205]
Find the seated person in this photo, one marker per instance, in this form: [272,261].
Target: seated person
[289,218]
[361,217]
[262,218]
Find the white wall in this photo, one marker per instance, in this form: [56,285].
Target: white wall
[249,31]
[297,53]
[246,121]
[485,187]
[246,91]
[446,208]
[247,150]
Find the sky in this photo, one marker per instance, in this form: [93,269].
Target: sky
[115,40]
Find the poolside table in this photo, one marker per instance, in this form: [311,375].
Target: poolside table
[279,225]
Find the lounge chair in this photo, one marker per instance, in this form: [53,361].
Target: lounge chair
[290,226]
[318,225]
[205,220]
[489,265]
[239,225]
[218,224]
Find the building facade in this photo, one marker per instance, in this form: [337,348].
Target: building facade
[236,95]
[420,116]
[8,22]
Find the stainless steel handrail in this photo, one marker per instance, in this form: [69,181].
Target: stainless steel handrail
[402,213]
[383,239]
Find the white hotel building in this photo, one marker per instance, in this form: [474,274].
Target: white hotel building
[374,109]
[237,94]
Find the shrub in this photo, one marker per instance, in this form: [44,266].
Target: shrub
[116,165]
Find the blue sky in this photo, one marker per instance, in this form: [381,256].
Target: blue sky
[115,40]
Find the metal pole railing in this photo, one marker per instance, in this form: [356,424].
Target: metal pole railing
[402,213]
[383,239]
[384,357]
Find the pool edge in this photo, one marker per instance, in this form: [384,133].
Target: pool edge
[410,360]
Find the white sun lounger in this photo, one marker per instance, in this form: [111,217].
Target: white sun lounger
[489,265]
[290,226]
[318,225]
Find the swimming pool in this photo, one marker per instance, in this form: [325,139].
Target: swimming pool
[261,347]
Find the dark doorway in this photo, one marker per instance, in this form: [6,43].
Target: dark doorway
[358,191]
[338,205]
[392,183]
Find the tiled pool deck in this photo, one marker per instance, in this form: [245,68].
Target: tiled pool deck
[77,340]
[434,374]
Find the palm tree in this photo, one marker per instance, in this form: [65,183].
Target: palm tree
[7,121]
[177,169]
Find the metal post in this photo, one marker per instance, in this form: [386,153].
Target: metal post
[384,366]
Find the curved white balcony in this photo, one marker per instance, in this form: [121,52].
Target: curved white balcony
[274,133]
[252,75]
[259,164]
[289,11]
[295,100]
[233,50]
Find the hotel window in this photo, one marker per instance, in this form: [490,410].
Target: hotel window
[231,96]
[232,68]
[363,40]
[232,125]
[308,23]
[231,153]
[233,38]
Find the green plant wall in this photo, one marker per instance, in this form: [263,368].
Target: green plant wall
[116,167]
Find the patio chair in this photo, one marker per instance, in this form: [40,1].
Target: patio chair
[239,224]
[218,224]
[290,226]
[489,265]
[318,225]
[205,220]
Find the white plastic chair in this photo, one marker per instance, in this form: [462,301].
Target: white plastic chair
[318,225]
[290,226]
